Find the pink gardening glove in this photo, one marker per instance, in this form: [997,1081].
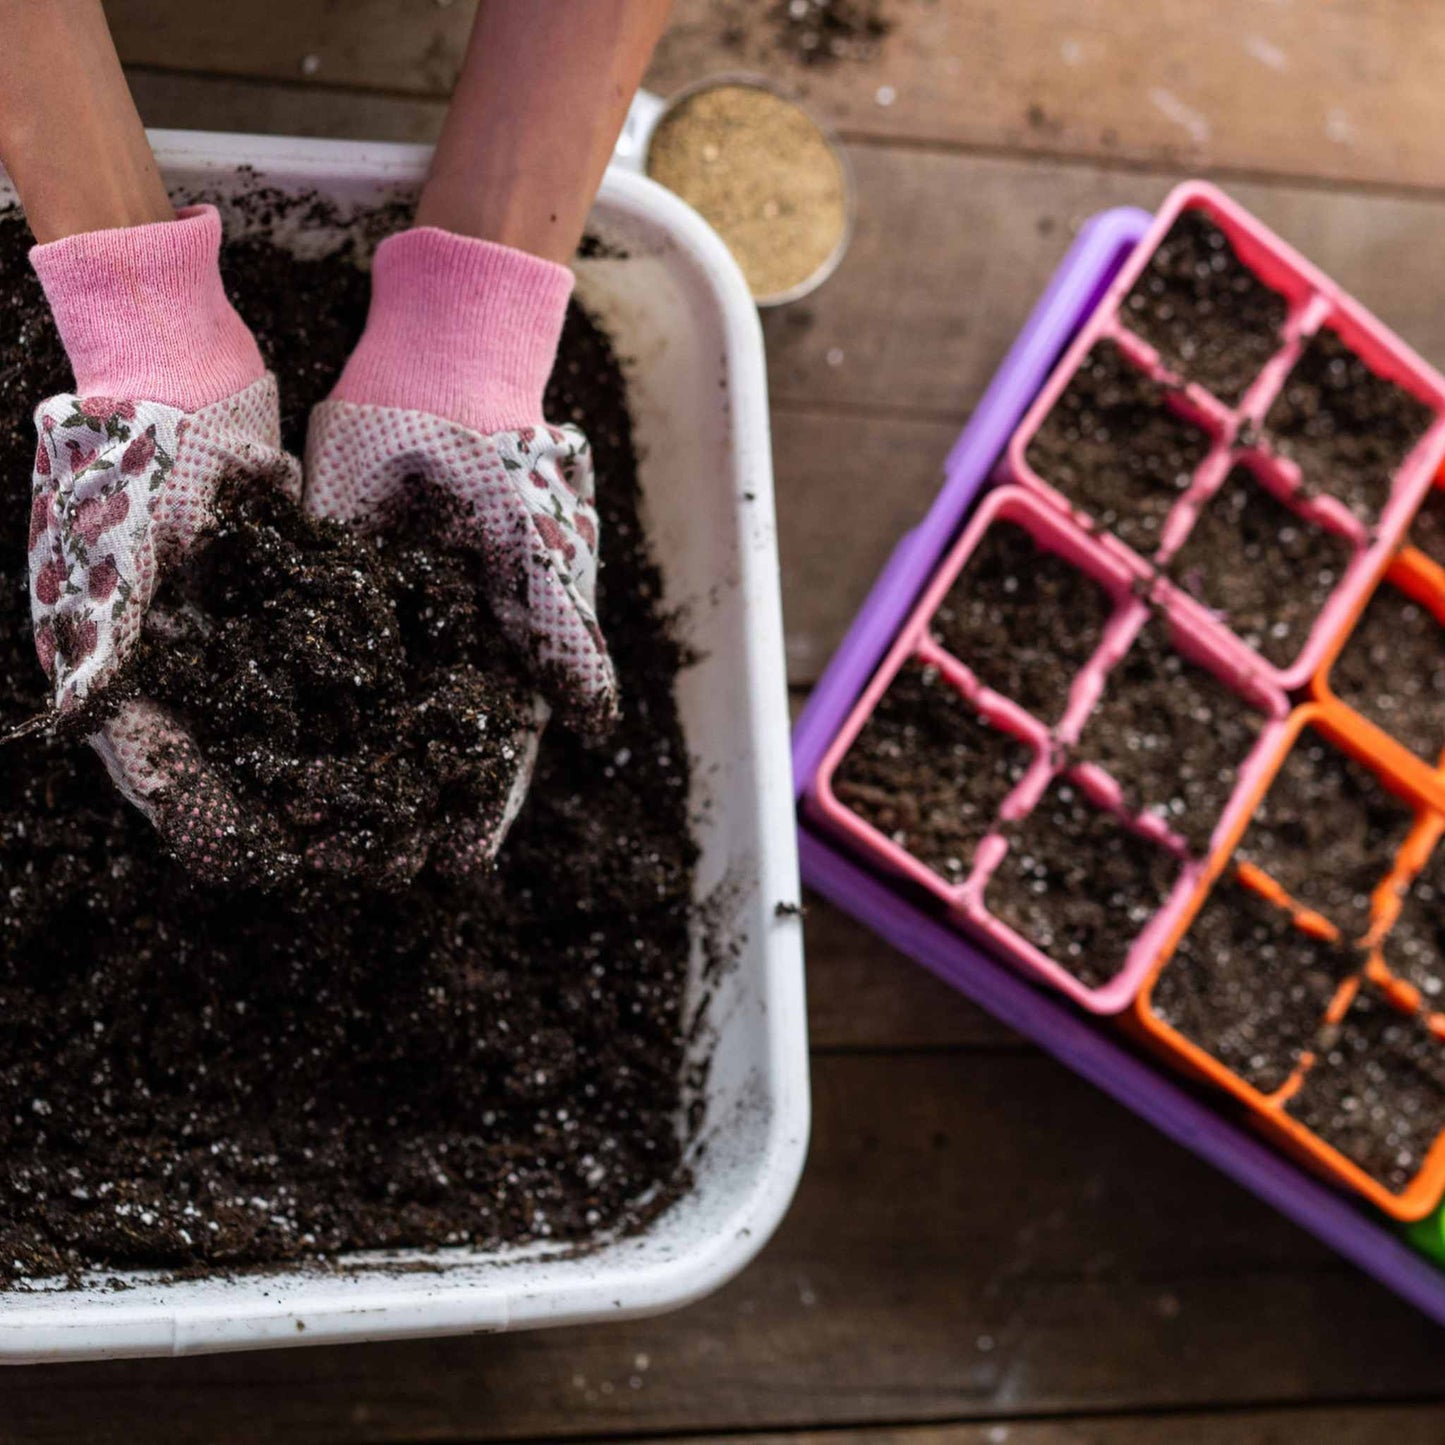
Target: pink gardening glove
[445,387]
[171,396]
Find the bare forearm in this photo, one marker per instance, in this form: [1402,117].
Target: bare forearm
[70,136]
[542,96]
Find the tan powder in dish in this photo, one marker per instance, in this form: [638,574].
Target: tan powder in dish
[762,174]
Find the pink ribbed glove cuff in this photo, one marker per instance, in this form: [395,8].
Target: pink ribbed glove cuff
[459,328]
[143,313]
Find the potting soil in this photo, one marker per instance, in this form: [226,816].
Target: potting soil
[198,1079]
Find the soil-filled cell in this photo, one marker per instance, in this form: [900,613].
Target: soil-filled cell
[1113,447]
[1414,948]
[1327,831]
[1248,987]
[928,772]
[1171,734]
[1346,428]
[1023,619]
[1377,1091]
[1079,884]
[1210,318]
[1260,566]
[1393,671]
[1427,532]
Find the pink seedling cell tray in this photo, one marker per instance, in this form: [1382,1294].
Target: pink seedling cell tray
[1236,432]
[966,901]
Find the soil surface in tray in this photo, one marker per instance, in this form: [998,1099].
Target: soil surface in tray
[1377,1091]
[1427,532]
[1248,987]
[207,1079]
[1078,884]
[1114,448]
[1347,428]
[1393,670]
[1265,570]
[1210,318]
[928,772]
[1327,832]
[1023,619]
[1414,948]
[355,695]
[1171,735]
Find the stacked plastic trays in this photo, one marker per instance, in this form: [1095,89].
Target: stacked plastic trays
[1142,707]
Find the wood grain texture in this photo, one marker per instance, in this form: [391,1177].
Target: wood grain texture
[976,1237]
[200,102]
[1386,1425]
[862,994]
[951,251]
[1342,92]
[1345,92]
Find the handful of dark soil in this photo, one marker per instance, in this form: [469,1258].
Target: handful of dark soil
[354,692]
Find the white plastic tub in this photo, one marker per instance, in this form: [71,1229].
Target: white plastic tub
[680,312]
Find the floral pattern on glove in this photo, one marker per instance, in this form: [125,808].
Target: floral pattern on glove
[121,488]
[529,495]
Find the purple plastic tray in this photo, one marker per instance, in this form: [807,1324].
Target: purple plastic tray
[1089,1049]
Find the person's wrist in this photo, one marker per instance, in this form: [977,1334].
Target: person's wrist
[142,312]
[460,328]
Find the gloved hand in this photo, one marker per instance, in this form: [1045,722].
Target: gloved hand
[445,389]
[171,397]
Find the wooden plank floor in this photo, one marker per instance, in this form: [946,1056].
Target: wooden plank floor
[983,1249]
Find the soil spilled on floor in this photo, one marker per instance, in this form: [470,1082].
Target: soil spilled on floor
[200,1079]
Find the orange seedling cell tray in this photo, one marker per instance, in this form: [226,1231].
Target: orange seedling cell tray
[1419,788]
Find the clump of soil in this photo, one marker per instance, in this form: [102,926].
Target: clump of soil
[1210,318]
[1023,620]
[820,32]
[1265,570]
[928,772]
[1171,734]
[1347,428]
[761,172]
[1428,530]
[1249,987]
[1377,1094]
[1414,948]
[1113,446]
[1078,884]
[1393,671]
[1327,832]
[355,695]
[199,1079]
